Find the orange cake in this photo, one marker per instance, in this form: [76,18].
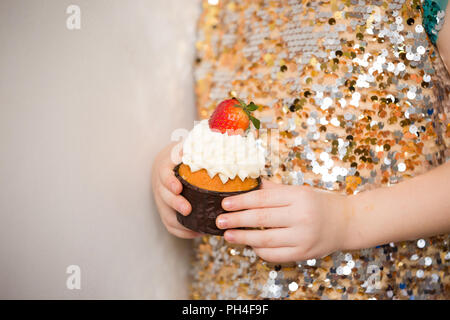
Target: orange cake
[202,180]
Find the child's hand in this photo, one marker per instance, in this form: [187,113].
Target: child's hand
[166,189]
[304,223]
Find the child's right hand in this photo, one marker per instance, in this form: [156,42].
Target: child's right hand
[166,189]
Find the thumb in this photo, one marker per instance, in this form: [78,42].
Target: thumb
[176,153]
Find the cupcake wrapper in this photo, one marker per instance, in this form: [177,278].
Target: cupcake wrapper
[206,206]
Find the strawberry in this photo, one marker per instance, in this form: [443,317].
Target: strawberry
[233,116]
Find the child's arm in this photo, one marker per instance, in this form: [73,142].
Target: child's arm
[305,223]
[412,209]
[416,208]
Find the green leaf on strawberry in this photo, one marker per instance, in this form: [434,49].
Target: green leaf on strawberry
[252,106]
[255,122]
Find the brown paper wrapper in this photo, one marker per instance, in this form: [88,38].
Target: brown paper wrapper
[206,206]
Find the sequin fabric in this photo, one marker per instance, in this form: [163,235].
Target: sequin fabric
[350,88]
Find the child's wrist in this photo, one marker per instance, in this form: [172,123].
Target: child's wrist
[339,211]
[350,230]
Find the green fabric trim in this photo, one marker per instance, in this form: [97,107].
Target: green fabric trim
[433,17]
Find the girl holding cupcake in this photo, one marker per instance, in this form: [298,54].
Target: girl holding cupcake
[354,202]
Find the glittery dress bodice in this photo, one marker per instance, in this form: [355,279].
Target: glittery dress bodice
[355,96]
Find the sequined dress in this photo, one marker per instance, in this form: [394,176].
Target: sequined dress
[358,98]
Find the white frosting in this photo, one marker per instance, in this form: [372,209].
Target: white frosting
[226,155]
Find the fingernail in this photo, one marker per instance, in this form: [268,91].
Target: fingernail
[226,203]
[184,209]
[229,236]
[222,223]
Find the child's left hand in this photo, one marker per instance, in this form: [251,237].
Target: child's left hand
[303,222]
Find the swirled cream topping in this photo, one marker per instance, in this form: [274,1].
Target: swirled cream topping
[226,155]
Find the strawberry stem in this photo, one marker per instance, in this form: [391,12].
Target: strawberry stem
[248,110]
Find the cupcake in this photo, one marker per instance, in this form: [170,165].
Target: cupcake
[221,158]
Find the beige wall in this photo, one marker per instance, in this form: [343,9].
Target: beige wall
[82,114]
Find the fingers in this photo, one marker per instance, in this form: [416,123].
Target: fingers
[167,189]
[189,234]
[256,199]
[175,228]
[168,179]
[176,202]
[254,218]
[171,223]
[270,238]
[279,255]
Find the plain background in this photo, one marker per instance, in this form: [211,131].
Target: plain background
[82,115]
